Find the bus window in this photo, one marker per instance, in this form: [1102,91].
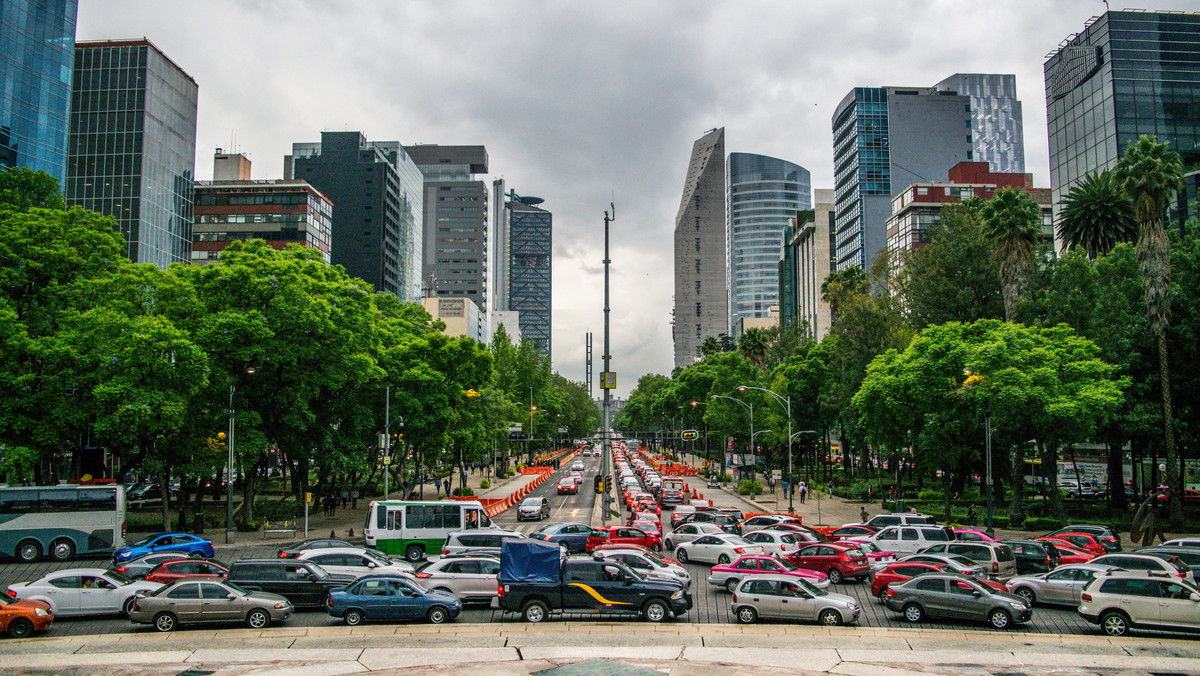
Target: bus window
[393,519]
[381,517]
[471,518]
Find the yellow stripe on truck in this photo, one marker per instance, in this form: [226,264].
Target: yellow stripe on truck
[596,595]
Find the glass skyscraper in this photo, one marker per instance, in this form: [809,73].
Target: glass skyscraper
[531,251]
[37,42]
[1125,74]
[763,194]
[132,146]
[996,118]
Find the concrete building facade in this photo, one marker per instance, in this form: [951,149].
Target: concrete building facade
[808,260]
[460,315]
[701,253]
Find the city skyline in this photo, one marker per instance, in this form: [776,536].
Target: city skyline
[604,109]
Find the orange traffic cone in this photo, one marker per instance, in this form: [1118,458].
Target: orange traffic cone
[693,493]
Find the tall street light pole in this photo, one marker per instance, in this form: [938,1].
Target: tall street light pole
[786,402]
[609,381]
[229,466]
[792,479]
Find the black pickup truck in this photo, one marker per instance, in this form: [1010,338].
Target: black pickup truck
[536,579]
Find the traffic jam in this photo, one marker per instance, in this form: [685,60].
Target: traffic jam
[669,556]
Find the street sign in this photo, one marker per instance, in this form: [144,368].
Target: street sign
[689,435]
[705,464]
[608,380]
[387,460]
[308,497]
[777,474]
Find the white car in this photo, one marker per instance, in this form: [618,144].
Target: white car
[690,531]
[908,539]
[775,541]
[354,561]
[75,592]
[470,578]
[648,563]
[715,548]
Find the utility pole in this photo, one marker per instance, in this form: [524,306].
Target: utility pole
[608,378]
[588,364]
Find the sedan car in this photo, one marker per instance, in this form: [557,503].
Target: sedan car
[716,549]
[1061,586]
[972,535]
[354,561]
[645,562]
[166,542]
[690,531]
[178,569]
[567,486]
[838,561]
[573,535]
[622,535]
[387,597]
[470,578]
[787,598]
[727,522]
[20,618]
[76,592]
[955,596]
[314,543]
[139,568]
[906,570]
[190,601]
[533,508]
[728,575]
[847,532]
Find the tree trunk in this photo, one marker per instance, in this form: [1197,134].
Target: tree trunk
[165,505]
[946,494]
[1016,514]
[1049,453]
[1175,499]
[249,489]
[1117,503]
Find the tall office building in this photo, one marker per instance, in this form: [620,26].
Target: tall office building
[763,194]
[531,249]
[499,282]
[455,258]
[807,261]
[996,118]
[1125,74]
[885,139]
[37,49]
[376,190]
[701,253]
[131,152]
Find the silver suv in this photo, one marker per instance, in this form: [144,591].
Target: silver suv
[996,556]
[1120,600]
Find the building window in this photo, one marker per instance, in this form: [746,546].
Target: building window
[697,245]
[697,287]
[697,309]
[697,266]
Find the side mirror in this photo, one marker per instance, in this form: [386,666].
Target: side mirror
[230,597]
[976,593]
[371,564]
[627,580]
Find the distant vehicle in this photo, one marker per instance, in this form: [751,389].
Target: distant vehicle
[139,568]
[567,486]
[191,545]
[1105,535]
[61,522]
[418,528]
[622,535]
[314,543]
[533,507]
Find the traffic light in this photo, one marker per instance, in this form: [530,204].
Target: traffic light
[607,484]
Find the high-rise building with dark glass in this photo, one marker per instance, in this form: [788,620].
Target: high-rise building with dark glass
[132,145]
[37,49]
[701,251]
[997,123]
[1125,74]
[531,249]
[763,194]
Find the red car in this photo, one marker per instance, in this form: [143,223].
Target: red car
[902,570]
[647,506]
[810,534]
[1189,495]
[567,486]
[838,561]
[622,535]
[728,575]
[648,526]
[1072,554]
[846,532]
[1084,541]
[170,571]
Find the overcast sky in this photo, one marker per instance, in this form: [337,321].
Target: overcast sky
[583,102]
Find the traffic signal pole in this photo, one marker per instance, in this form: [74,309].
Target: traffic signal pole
[606,452]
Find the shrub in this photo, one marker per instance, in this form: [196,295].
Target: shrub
[463,490]
[248,526]
[750,487]
[277,510]
[858,491]
[1037,523]
[484,484]
[931,495]
[725,478]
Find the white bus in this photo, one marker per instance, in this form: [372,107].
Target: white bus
[61,522]
[417,528]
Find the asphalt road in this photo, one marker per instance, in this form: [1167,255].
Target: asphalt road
[711,604]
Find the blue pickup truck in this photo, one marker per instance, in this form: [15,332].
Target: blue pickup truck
[537,578]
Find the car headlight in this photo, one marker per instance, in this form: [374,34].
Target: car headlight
[677,595]
[1019,606]
[457,604]
[41,612]
[852,606]
[281,606]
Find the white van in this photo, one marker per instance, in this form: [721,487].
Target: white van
[908,539]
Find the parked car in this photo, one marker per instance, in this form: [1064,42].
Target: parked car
[908,539]
[972,535]
[355,561]
[1061,586]
[573,535]
[77,592]
[715,549]
[387,597]
[478,541]
[567,486]
[763,520]
[622,535]
[304,583]
[314,543]
[1069,554]
[533,508]
[1084,541]
[1118,601]
[139,568]
[955,596]
[645,562]
[1160,563]
[1034,556]
[847,532]
[169,571]
[1190,556]
[900,571]
[1108,538]
[725,521]
[881,521]
[775,541]
[21,618]
[166,542]
[996,556]
[958,564]
[728,575]
[688,532]
[470,577]
[876,557]
[787,598]
[1182,542]
[837,560]
[190,601]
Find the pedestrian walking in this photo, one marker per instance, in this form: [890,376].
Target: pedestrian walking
[862,514]
[354,499]
[332,505]
[324,500]
[345,498]
[971,516]
[446,485]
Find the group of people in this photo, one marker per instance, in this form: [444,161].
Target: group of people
[333,500]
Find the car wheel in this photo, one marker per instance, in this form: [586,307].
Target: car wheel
[668,544]
[414,553]
[535,611]
[164,622]
[127,606]
[655,546]
[354,617]
[999,619]
[655,610]
[62,549]
[731,584]
[747,615]
[830,617]
[20,628]
[681,555]
[835,576]
[29,551]
[437,615]
[195,555]
[258,619]
[723,559]
[1027,594]
[1114,623]
[914,613]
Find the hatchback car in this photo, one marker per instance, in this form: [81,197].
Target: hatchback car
[166,542]
[178,569]
[470,578]
[567,486]
[1118,601]
[533,508]
[774,541]
[787,598]
[77,592]
[955,596]
[728,575]
[386,597]
[905,570]
[573,535]
[1061,586]
[189,601]
[314,543]
[838,561]
[622,535]
[690,531]
[716,549]
[354,561]
[20,618]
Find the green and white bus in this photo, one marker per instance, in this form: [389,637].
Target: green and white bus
[61,522]
[418,528]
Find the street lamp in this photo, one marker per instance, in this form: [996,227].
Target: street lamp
[749,406]
[229,467]
[987,426]
[786,402]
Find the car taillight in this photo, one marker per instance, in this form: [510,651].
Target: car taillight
[738,550]
[445,552]
[889,592]
[11,593]
[1087,597]
[135,607]
[423,575]
[735,597]
[283,555]
[500,590]
[120,569]
[122,530]
[995,567]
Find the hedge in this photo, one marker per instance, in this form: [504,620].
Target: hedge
[749,486]
[1042,523]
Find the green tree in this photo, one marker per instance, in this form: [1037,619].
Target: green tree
[22,189]
[1096,215]
[753,345]
[1150,173]
[1010,222]
[841,286]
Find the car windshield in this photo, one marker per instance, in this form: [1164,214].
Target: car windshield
[320,572]
[811,588]
[654,556]
[118,578]
[531,502]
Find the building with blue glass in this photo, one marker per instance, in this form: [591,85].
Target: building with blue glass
[531,254]
[131,149]
[37,49]
[763,194]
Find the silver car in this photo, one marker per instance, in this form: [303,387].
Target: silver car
[785,597]
[959,564]
[955,596]
[1062,586]
[650,564]
[470,578]
[690,531]
[188,601]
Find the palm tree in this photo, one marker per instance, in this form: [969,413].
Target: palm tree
[1150,174]
[1097,215]
[753,346]
[1010,221]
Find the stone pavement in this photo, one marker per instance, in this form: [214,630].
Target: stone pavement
[558,649]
